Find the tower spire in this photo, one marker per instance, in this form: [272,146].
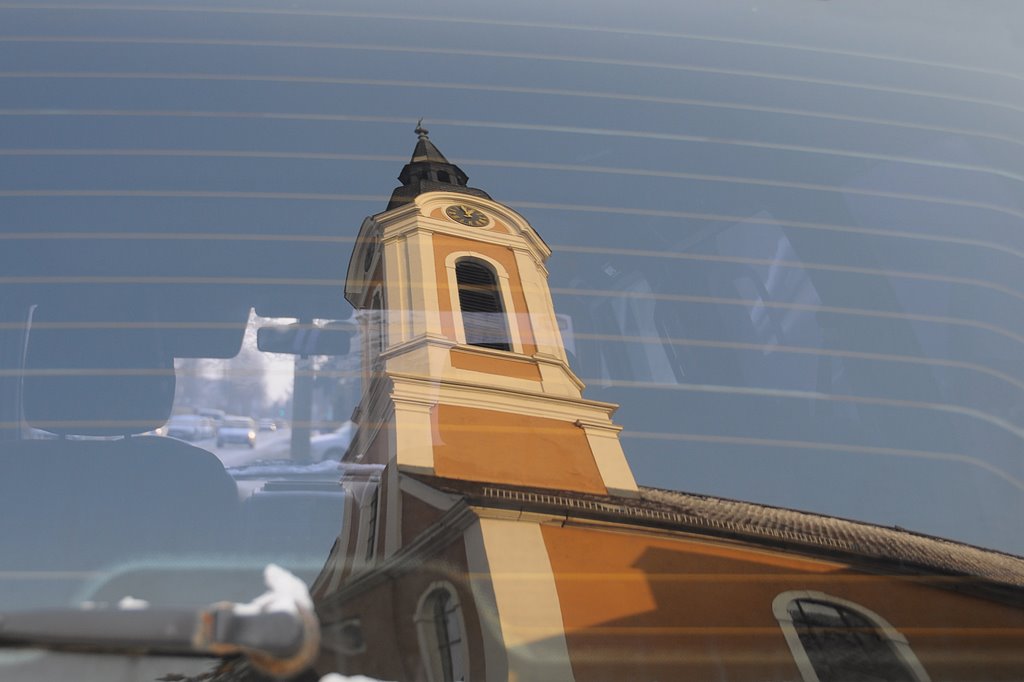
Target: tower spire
[429,171]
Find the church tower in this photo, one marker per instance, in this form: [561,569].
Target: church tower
[465,375]
[492,529]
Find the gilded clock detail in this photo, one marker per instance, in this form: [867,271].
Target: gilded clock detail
[467,215]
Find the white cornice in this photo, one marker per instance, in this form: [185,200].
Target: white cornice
[419,388]
[555,361]
[610,427]
[418,342]
[394,214]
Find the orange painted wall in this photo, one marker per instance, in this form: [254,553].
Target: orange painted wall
[508,367]
[499,447]
[637,606]
[446,244]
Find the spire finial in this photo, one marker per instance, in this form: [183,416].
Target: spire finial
[429,171]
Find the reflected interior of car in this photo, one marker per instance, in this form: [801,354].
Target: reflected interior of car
[711,370]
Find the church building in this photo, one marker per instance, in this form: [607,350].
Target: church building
[493,529]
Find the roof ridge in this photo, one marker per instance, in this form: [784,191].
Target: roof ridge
[900,530]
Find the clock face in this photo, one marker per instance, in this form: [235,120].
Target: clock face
[467,215]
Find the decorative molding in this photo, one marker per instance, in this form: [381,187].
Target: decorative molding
[611,427]
[468,394]
[417,342]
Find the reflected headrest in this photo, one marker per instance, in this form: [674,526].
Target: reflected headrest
[96,378]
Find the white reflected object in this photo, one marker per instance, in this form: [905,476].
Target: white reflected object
[335,677]
[284,593]
[130,603]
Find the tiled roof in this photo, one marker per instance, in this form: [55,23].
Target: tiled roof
[871,541]
[842,539]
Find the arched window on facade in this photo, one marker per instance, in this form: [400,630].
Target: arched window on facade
[442,636]
[834,640]
[483,315]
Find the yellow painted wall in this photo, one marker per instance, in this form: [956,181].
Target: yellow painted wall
[514,449]
[642,607]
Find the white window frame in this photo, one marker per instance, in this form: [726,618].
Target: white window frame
[427,635]
[507,304]
[899,644]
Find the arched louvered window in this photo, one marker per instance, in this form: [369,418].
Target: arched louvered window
[483,315]
[834,641]
[441,632]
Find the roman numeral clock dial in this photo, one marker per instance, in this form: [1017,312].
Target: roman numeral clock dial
[467,215]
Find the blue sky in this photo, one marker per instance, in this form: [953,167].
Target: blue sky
[800,220]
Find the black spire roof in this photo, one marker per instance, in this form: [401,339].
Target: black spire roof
[430,171]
